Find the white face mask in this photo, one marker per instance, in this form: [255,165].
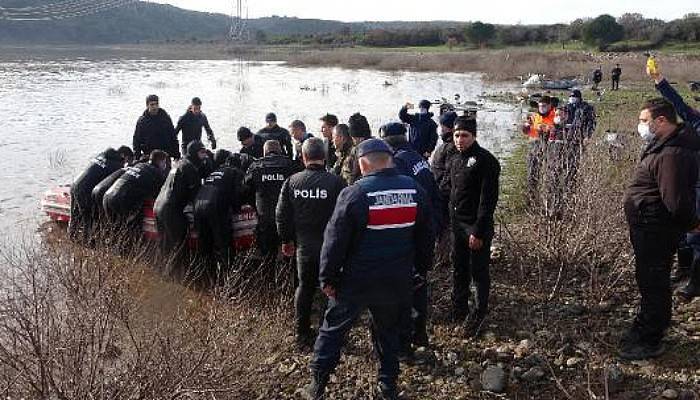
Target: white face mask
[557,120]
[573,100]
[543,110]
[423,111]
[645,132]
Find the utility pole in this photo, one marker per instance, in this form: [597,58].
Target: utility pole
[238,32]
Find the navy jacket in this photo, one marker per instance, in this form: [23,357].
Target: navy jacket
[408,162]
[422,132]
[102,166]
[138,183]
[279,134]
[265,178]
[379,236]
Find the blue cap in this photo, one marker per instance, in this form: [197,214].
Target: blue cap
[448,119]
[372,145]
[394,129]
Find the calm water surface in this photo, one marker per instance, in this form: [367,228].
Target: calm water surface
[57,114]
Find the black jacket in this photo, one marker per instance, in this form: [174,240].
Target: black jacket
[256,149]
[662,193]
[221,191]
[472,185]
[265,178]
[191,126]
[279,134]
[331,156]
[99,168]
[441,157]
[181,185]
[138,183]
[422,132]
[305,205]
[155,132]
[98,193]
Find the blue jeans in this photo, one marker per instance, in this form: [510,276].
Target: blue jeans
[340,317]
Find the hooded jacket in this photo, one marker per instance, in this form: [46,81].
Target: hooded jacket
[279,134]
[661,194]
[191,125]
[379,236]
[255,150]
[265,178]
[182,184]
[422,132]
[155,132]
[100,167]
[138,183]
[471,183]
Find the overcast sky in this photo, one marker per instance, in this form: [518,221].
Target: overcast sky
[494,11]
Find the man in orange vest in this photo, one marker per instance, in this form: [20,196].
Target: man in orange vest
[538,127]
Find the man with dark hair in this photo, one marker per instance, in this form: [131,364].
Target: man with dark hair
[155,131]
[265,178]
[272,131]
[409,163]
[83,210]
[372,246]
[359,132]
[127,154]
[422,134]
[216,202]
[615,74]
[179,190]
[328,124]
[299,135]
[191,125]
[99,191]
[342,143]
[660,207]
[305,205]
[123,201]
[540,124]
[251,145]
[471,184]
[441,157]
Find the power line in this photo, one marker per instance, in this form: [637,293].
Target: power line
[61,10]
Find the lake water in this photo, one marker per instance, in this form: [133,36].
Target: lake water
[57,114]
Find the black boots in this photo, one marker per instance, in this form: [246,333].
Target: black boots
[317,387]
[692,288]
[685,259]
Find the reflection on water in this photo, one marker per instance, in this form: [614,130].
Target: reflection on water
[56,114]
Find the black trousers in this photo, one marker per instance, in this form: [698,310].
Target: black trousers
[81,224]
[215,236]
[470,266]
[414,317]
[653,253]
[308,261]
[173,227]
[615,83]
[266,238]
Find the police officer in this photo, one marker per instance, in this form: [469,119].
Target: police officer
[359,132]
[265,178]
[409,163]
[272,131]
[304,208]
[180,188]
[252,145]
[472,186]
[191,124]
[123,201]
[615,75]
[155,131]
[83,210]
[373,243]
[423,130]
[215,203]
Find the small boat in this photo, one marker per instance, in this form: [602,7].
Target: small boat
[56,204]
[539,82]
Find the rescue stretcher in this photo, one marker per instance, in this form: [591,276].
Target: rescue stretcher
[56,204]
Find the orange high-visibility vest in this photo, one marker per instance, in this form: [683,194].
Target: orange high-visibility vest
[540,123]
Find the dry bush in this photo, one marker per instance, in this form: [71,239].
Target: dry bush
[574,227]
[82,324]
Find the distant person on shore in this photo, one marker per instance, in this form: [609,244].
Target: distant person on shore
[251,144]
[328,124]
[342,143]
[191,125]
[597,77]
[422,133]
[155,131]
[272,131]
[472,185]
[691,117]
[660,206]
[538,128]
[359,132]
[616,74]
[299,135]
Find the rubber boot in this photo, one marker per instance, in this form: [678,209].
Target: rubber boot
[692,288]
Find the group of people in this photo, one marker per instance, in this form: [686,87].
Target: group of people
[615,76]
[360,215]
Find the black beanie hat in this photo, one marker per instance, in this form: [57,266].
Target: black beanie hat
[448,119]
[393,129]
[359,127]
[466,124]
